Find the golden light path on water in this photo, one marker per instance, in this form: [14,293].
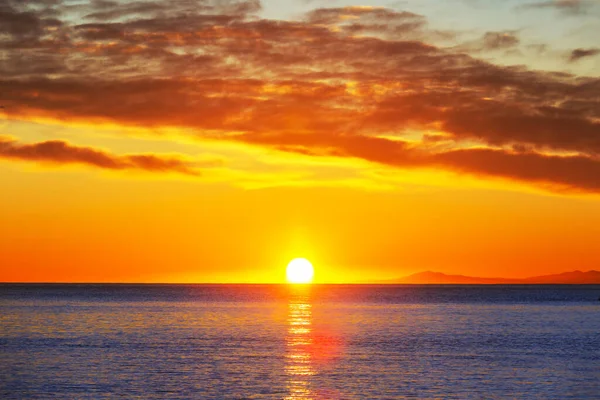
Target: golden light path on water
[299,364]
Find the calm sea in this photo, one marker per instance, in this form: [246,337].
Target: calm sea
[278,342]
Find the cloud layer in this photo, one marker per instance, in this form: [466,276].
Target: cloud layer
[359,82]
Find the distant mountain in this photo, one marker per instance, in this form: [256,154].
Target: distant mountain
[429,277]
[567,277]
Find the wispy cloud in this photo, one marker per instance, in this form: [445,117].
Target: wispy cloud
[500,40]
[59,152]
[578,54]
[566,6]
[560,173]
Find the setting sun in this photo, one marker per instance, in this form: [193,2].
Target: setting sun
[300,270]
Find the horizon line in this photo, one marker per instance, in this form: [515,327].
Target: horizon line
[297,285]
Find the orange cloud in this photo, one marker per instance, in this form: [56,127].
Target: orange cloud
[562,173]
[60,152]
[334,82]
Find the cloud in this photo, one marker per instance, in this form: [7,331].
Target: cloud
[367,20]
[60,152]
[566,6]
[578,54]
[560,173]
[108,10]
[338,81]
[499,40]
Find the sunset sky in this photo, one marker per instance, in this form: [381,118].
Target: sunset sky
[214,140]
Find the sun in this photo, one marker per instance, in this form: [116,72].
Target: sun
[300,270]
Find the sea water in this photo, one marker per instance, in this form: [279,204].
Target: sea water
[284,342]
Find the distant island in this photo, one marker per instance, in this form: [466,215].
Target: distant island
[429,277]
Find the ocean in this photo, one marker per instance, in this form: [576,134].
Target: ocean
[314,342]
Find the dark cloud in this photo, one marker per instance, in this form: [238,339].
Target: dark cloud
[572,7]
[578,54]
[109,10]
[18,23]
[334,16]
[499,40]
[60,152]
[112,10]
[333,82]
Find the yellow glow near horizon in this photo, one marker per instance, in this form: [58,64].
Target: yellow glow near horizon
[300,270]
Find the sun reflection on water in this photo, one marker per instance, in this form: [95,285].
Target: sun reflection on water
[299,364]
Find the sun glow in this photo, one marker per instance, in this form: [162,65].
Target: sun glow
[300,270]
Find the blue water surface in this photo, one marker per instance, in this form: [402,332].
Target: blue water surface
[318,342]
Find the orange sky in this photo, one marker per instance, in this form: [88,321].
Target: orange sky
[146,143]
